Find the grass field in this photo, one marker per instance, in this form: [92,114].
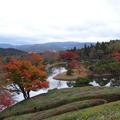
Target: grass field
[58,102]
[110,111]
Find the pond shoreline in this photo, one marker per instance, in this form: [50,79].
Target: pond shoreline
[52,85]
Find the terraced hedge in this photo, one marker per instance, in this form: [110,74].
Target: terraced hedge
[57,102]
[110,111]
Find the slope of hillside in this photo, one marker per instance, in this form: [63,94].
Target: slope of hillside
[110,111]
[11,52]
[58,102]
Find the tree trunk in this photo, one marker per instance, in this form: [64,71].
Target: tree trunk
[26,94]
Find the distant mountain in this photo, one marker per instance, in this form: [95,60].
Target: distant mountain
[53,46]
[5,52]
[6,46]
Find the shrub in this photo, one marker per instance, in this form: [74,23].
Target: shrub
[69,72]
[82,82]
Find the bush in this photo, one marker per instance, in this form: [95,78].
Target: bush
[111,67]
[82,82]
[69,72]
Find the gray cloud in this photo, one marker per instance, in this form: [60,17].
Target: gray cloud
[98,20]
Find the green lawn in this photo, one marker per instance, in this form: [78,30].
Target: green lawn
[57,102]
[60,110]
[110,111]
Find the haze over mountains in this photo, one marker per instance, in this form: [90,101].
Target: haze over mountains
[7,52]
[52,46]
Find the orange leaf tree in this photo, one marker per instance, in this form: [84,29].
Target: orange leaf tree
[27,75]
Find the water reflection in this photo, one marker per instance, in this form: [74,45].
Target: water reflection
[80,82]
[52,84]
[113,81]
[102,81]
[56,83]
[107,82]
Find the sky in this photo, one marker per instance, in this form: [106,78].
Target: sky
[40,21]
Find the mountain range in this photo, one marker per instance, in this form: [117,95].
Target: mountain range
[52,46]
[7,52]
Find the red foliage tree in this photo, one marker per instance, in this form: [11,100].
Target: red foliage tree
[74,64]
[68,55]
[27,75]
[5,99]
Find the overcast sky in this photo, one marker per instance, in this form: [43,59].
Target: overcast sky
[39,21]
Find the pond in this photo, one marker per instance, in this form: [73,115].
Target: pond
[107,82]
[57,84]
[52,85]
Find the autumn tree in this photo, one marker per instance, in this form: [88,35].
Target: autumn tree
[33,58]
[27,75]
[50,57]
[116,56]
[5,99]
[3,75]
[73,64]
[68,55]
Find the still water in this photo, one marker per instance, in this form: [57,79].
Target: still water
[52,85]
[57,84]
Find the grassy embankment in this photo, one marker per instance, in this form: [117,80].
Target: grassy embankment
[110,111]
[56,64]
[58,102]
[82,72]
